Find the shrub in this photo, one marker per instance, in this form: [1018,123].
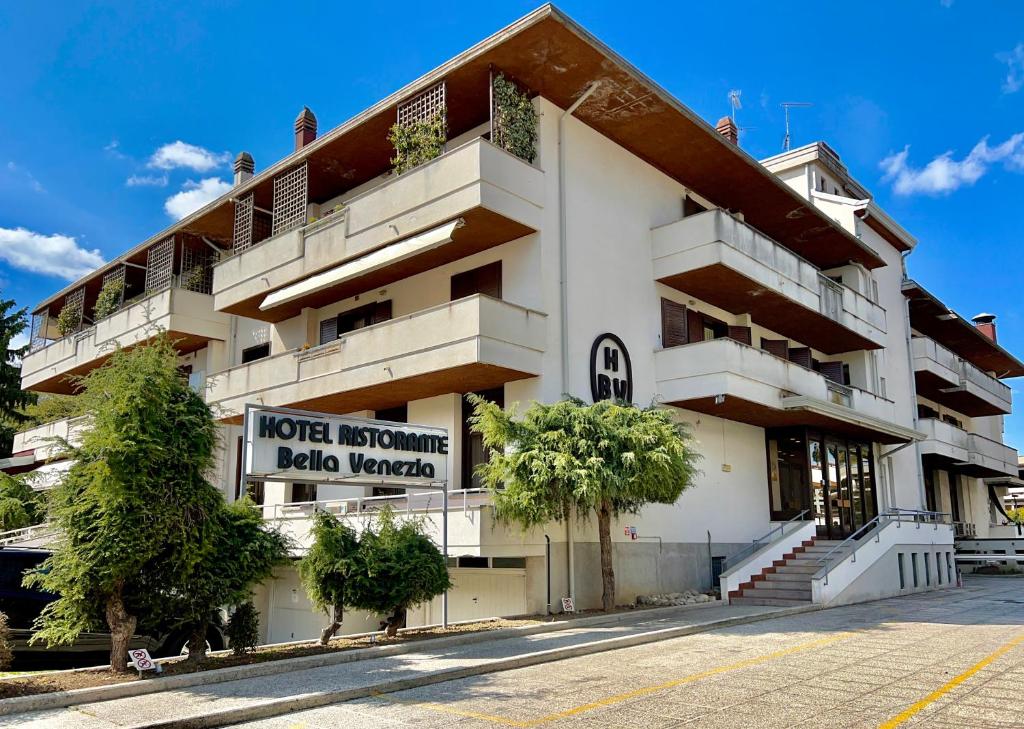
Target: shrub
[243,629]
[515,120]
[418,142]
[108,300]
[68,321]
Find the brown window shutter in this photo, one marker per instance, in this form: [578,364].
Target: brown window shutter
[740,334]
[382,311]
[483,280]
[694,326]
[673,324]
[832,371]
[778,347]
[800,356]
[328,330]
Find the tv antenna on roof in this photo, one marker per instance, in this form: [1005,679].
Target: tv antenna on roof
[734,101]
[787,105]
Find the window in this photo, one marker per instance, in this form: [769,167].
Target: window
[938,566]
[473,451]
[927,569]
[397,414]
[328,330]
[302,493]
[251,354]
[483,280]
[477,562]
[899,564]
[673,323]
[691,207]
[508,563]
[955,422]
[255,490]
[949,568]
[913,565]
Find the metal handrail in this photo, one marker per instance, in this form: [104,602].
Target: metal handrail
[754,545]
[12,536]
[894,514]
[364,504]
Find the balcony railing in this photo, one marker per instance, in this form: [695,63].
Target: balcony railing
[971,452]
[719,259]
[953,381]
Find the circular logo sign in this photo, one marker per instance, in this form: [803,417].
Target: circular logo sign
[611,373]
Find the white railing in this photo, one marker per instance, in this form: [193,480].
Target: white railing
[460,499]
[13,536]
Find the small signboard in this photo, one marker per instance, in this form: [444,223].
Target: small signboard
[141,660]
[292,445]
[631,532]
[568,605]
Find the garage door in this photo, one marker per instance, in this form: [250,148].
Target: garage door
[478,593]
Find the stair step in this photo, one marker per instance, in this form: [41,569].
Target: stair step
[773,591]
[805,568]
[775,601]
[796,577]
[822,549]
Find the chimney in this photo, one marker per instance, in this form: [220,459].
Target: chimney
[986,324]
[728,129]
[244,167]
[305,128]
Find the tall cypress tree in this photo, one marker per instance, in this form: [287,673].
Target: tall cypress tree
[12,397]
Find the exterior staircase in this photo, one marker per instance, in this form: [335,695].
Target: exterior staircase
[788,580]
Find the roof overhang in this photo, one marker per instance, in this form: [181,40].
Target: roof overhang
[554,57]
[934,319]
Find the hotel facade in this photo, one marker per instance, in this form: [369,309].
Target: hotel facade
[636,249]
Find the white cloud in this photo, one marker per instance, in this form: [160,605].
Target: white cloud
[944,174]
[1014,61]
[195,195]
[51,255]
[146,181]
[181,154]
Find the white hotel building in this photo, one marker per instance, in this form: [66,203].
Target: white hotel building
[765,302]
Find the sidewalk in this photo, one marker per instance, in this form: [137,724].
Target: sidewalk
[218,704]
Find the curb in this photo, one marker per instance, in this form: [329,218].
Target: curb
[302,702]
[63,699]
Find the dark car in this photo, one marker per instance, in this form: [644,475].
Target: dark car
[22,606]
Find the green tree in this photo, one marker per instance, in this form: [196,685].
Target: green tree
[392,566]
[242,551]
[327,566]
[607,458]
[50,407]
[20,506]
[12,398]
[135,509]
[243,629]
[399,567]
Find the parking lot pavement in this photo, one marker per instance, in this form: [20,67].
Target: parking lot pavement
[953,658]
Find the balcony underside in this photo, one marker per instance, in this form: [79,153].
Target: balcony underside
[483,229]
[465,378]
[948,463]
[764,416]
[728,289]
[63,383]
[937,388]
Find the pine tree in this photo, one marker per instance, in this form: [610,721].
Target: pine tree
[12,398]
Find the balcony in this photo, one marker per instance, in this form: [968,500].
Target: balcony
[968,453]
[188,317]
[384,234]
[472,529]
[39,441]
[461,346]
[718,259]
[949,380]
[728,379]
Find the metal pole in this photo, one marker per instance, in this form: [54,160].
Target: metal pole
[444,550]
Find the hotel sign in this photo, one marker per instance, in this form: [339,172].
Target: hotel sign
[292,445]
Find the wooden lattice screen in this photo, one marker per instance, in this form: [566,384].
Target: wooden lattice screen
[115,276]
[290,199]
[75,301]
[243,222]
[423,106]
[197,269]
[40,321]
[160,266]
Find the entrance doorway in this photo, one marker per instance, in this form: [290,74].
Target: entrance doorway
[828,475]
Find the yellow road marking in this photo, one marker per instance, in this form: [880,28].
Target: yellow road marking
[951,684]
[619,698]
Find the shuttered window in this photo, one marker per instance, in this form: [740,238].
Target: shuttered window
[778,347]
[694,326]
[740,334]
[832,371]
[362,316]
[800,356]
[483,280]
[673,324]
[328,330]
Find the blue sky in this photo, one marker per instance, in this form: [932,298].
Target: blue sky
[119,116]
